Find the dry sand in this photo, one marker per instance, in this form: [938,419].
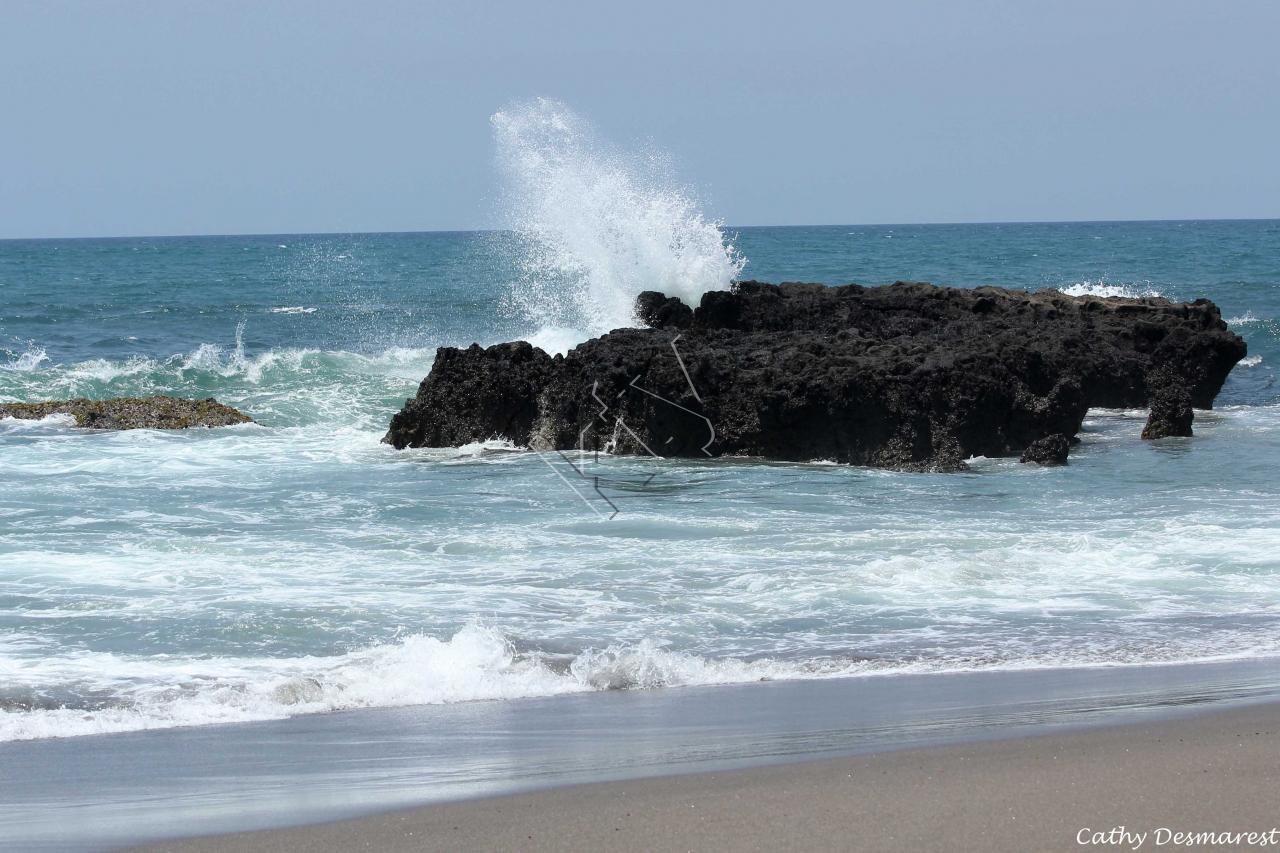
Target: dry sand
[1217,772]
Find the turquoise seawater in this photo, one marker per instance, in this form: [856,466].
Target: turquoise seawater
[297,565]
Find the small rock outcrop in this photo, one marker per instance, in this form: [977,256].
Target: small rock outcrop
[132,412]
[908,376]
[1050,450]
[659,311]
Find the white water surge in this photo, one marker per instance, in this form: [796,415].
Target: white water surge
[257,573]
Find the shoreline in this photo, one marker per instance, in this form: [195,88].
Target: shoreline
[308,770]
[1137,783]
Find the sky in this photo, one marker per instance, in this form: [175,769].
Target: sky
[150,118]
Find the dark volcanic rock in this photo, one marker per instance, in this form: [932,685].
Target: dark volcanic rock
[1109,344]
[908,376]
[475,394]
[132,412]
[1171,412]
[660,311]
[1050,450]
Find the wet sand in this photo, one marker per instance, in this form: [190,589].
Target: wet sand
[1215,771]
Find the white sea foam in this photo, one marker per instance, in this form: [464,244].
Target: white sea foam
[103,370]
[1251,361]
[300,385]
[1106,289]
[1245,319]
[296,309]
[59,421]
[595,225]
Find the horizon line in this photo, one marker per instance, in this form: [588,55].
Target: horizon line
[730,228]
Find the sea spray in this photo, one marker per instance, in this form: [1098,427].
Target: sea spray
[593,226]
[1105,289]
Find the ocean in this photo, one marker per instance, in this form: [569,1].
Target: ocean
[297,565]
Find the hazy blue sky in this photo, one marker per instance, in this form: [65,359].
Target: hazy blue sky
[216,117]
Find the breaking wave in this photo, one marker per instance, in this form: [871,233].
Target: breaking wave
[117,693]
[476,663]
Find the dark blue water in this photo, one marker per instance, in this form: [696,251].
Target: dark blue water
[154,297]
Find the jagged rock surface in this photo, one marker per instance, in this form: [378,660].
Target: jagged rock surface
[908,376]
[1050,450]
[1171,409]
[132,412]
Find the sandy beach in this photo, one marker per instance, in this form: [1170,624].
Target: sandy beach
[1121,787]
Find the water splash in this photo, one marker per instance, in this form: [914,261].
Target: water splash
[1105,289]
[214,358]
[594,226]
[27,361]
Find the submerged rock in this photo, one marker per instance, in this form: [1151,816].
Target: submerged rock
[908,376]
[132,412]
